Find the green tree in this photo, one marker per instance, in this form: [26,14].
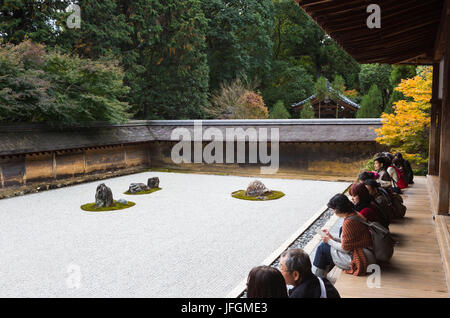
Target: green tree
[399,72]
[41,86]
[371,104]
[238,39]
[338,87]
[378,74]
[288,83]
[321,91]
[30,19]
[279,111]
[307,111]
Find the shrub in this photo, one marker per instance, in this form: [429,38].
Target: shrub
[37,85]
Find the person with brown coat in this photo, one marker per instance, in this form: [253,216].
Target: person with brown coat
[352,250]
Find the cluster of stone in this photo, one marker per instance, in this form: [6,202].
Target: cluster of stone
[103,196]
[256,189]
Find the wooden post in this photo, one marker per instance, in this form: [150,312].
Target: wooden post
[444,158]
[433,161]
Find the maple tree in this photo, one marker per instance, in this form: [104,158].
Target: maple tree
[406,130]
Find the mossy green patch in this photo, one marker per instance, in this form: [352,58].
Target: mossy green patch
[91,207]
[143,192]
[272,195]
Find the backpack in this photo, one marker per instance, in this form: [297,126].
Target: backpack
[390,208]
[401,183]
[382,241]
[399,208]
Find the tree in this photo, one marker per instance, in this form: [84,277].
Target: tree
[379,75]
[371,104]
[251,106]
[287,83]
[224,102]
[399,72]
[30,19]
[307,111]
[238,39]
[321,91]
[41,86]
[279,111]
[338,87]
[406,130]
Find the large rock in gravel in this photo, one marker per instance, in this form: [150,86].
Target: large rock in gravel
[256,189]
[153,182]
[103,196]
[138,187]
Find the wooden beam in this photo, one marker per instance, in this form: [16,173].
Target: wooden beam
[433,161]
[444,160]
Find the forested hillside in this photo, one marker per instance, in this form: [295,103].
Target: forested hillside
[174,59]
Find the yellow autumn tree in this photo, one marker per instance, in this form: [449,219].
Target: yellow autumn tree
[406,130]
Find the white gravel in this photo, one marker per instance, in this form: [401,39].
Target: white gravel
[191,239]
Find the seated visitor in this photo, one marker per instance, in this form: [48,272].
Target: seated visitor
[409,175]
[295,266]
[382,201]
[352,250]
[363,203]
[402,183]
[266,282]
[384,179]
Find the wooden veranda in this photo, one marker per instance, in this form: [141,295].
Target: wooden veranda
[410,32]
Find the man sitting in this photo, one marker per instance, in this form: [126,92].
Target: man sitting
[295,266]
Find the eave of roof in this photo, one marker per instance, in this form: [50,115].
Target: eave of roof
[407,35]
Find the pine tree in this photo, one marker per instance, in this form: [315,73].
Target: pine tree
[307,111]
[279,111]
[371,104]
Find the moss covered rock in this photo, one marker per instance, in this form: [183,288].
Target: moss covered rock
[271,195]
[91,207]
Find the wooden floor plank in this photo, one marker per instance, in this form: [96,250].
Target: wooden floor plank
[416,269]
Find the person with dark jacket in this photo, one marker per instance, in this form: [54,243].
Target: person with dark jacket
[295,267]
[382,201]
[266,282]
[409,174]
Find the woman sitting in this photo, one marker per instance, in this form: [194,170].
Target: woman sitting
[352,250]
[402,183]
[363,203]
[409,174]
[266,282]
[381,165]
[382,201]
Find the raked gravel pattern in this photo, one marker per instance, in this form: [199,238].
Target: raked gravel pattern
[191,239]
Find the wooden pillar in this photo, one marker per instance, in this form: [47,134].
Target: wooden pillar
[444,158]
[433,160]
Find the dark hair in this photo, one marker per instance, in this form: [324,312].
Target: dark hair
[383,161]
[366,175]
[297,260]
[341,203]
[372,183]
[398,162]
[360,190]
[398,155]
[266,282]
